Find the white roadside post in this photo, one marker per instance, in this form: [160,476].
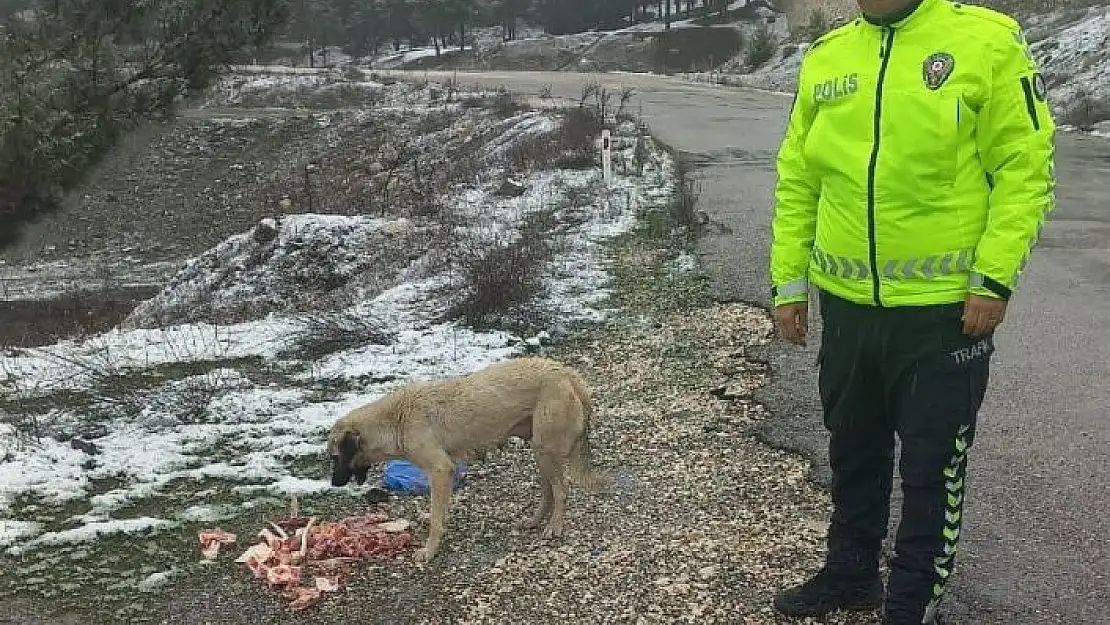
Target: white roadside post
[606,156]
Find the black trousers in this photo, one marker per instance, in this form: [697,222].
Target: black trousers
[908,371]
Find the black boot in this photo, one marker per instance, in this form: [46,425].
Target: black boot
[828,592]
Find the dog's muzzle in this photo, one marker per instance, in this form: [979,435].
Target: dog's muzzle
[341,475]
[360,475]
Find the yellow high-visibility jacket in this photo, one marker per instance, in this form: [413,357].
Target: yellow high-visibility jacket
[917,164]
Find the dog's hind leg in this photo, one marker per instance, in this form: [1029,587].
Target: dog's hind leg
[545,504]
[555,497]
[552,442]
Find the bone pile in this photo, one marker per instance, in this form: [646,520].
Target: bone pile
[304,560]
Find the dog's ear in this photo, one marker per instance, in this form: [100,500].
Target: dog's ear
[348,445]
[341,462]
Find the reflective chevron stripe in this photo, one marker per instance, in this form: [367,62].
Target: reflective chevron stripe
[927,268]
[954,475]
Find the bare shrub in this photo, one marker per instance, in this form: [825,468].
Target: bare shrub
[1084,111]
[187,400]
[597,97]
[623,114]
[534,151]
[579,128]
[641,155]
[819,23]
[570,146]
[384,166]
[761,47]
[599,100]
[502,274]
[324,333]
[104,382]
[577,132]
[684,203]
[16,407]
[507,103]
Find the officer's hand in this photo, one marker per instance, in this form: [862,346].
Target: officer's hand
[983,314]
[792,320]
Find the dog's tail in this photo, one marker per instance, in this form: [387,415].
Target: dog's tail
[580,465]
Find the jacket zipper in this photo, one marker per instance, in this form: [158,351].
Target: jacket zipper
[885,46]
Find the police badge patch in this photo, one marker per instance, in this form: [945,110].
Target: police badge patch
[938,67]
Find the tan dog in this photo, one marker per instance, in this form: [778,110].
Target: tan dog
[437,423]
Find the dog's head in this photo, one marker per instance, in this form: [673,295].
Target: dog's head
[347,459]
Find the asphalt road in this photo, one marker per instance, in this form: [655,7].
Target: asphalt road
[1036,542]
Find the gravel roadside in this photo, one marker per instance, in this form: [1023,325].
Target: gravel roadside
[702,522]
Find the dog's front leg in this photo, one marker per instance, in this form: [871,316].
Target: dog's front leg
[440,481]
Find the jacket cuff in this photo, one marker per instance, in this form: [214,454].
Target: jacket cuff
[981,284]
[790,292]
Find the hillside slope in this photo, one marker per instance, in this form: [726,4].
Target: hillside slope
[1071,46]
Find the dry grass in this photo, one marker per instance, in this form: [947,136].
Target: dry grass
[761,47]
[327,332]
[571,146]
[503,102]
[501,274]
[377,170]
[1084,111]
[110,384]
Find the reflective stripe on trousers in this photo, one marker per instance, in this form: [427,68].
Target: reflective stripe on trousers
[954,476]
[928,267]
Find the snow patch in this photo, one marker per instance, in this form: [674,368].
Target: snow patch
[157,580]
[204,382]
[1075,56]
[280,266]
[12,531]
[91,531]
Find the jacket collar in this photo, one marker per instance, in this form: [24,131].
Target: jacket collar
[910,14]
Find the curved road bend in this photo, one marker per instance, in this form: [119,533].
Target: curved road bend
[1036,544]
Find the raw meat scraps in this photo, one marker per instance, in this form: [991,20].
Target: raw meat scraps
[321,555]
[212,540]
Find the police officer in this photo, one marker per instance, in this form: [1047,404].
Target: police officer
[914,176]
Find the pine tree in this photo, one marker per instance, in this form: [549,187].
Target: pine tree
[75,75]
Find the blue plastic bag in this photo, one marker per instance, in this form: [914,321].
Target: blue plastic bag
[405,477]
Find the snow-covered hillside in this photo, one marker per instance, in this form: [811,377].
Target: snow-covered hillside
[1074,52]
[1072,48]
[217,391]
